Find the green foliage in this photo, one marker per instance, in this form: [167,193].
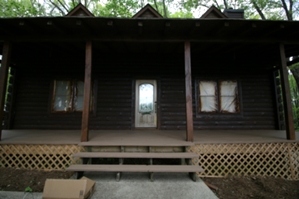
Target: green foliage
[254,9]
[28,189]
[21,8]
[116,8]
[181,14]
[295,100]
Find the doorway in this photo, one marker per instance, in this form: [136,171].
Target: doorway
[146,106]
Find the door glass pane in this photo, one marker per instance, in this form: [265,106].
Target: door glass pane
[62,95]
[146,98]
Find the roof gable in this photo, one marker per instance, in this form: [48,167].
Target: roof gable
[147,12]
[213,12]
[80,10]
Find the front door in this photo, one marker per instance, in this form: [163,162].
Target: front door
[146,97]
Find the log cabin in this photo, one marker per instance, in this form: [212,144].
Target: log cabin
[147,75]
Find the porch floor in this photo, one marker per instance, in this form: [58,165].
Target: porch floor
[142,137]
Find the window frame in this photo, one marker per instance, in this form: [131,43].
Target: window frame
[218,112]
[72,82]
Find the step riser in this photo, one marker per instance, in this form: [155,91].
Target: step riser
[135,161]
[171,155]
[157,158]
[134,149]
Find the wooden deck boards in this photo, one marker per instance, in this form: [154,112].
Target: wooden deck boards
[136,168]
[142,137]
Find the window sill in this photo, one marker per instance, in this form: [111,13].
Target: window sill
[219,115]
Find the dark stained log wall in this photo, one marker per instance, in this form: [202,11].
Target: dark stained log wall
[114,104]
[173,103]
[115,75]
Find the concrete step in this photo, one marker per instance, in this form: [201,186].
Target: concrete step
[136,168]
[173,155]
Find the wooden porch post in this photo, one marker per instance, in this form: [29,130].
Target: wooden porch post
[87,92]
[288,114]
[3,79]
[188,89]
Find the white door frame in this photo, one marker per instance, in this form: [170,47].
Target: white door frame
[146,119]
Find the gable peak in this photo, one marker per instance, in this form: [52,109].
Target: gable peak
[79,10]
[147,12]
[213,12]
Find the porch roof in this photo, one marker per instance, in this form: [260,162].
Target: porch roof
[228,31]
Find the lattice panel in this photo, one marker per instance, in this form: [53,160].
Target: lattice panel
[45,157]
[258,159]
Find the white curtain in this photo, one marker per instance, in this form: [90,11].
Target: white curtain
[208,99]
[228,95]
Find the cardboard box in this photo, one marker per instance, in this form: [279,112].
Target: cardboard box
[68,189]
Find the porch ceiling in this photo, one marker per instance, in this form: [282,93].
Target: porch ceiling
[245,54]
[156,35]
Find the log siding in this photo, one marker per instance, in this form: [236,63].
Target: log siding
[116,99]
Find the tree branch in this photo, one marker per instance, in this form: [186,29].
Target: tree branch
[258,9]
[286,10]
[291,9]
[225,4]
[156,5]
[217,5]
[63,5]
[74,3]
[56,6]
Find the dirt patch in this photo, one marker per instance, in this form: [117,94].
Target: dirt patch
[253,187]
[227,188]
[12,179]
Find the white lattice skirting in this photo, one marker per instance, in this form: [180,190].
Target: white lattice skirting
[43,157]
[256,159]
[218,160]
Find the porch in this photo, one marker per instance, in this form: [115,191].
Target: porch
[220,153]
[143,137]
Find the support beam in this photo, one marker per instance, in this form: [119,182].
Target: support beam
[288,114]
[3,79]
[188,91]
[87,92]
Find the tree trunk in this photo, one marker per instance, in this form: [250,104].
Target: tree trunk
[164,9]
[156,5]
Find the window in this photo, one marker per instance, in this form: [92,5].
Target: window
[218,96]
[68,96]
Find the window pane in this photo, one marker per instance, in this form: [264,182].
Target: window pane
[78,99]
[79,103]
[208,104]
[80,88]
[207,88]
[208,96]
[229,95]
[146,98]
[62,95]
